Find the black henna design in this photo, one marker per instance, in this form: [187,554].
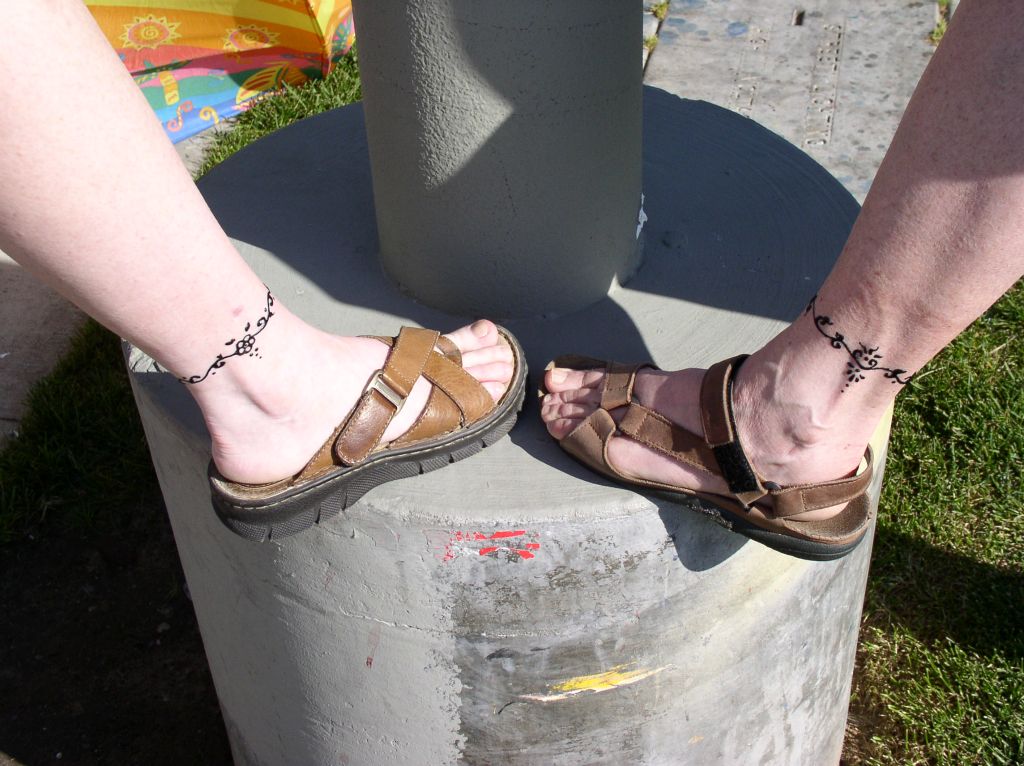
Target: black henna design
[862,359]
[244,346]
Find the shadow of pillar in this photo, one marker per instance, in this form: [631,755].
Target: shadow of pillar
[469,613]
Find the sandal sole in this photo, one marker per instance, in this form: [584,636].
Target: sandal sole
[809,550]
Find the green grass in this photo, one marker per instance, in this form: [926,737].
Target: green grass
[80,459]
[660,10]
[940,675]
[339,88]
[939,31]
[941,678]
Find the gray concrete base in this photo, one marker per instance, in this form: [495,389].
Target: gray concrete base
[514,608]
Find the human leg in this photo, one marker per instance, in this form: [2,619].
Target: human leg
[939,239]
[105,213]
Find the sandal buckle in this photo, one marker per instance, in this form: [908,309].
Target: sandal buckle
[382,387]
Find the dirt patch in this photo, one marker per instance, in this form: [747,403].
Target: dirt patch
[100,657]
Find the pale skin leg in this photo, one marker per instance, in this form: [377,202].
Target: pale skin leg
[940,238]
[102,210]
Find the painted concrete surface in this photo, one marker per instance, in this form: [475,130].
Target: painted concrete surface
[835,85]
[504,139]
[513,607]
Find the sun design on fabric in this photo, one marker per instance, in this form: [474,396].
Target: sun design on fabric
[149,32]
[249,38]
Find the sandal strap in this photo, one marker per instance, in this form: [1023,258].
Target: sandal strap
[654,430]
[800,498]
[384,395]
[457,399]
[447,347]
[720,432]
[619,379]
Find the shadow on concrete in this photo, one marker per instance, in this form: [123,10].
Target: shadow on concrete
[699,542]
[740,220]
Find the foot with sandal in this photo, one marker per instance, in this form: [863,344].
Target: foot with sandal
[297,416]
[779,441]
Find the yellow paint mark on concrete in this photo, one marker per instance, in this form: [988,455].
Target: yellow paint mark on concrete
[620,675]
[695,739]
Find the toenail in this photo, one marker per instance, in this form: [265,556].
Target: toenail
[480,329]
[557,375]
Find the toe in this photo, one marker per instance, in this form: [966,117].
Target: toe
[556,410]
[588,396]
[488,355]
[479,335]
[561,413]
[491,372]
[496,390]
[559,379]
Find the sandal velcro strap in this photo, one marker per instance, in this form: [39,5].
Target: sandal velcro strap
[720,432]
[385,394]
[618,385]
[800,498]
[659,433]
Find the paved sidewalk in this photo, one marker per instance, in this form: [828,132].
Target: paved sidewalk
[831,77]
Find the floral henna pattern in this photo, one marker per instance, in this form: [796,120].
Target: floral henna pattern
[243,346]
[862,359]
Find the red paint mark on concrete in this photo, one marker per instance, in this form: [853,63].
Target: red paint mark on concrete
[373,641]
[452,545]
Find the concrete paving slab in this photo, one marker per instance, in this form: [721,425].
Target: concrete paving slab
[36,326]
[192,150]
[831,77]
[650,25]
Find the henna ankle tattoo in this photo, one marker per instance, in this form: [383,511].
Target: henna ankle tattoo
[244,346]
[863,359]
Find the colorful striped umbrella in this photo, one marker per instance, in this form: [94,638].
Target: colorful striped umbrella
[200,61]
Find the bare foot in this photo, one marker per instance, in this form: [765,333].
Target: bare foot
[267,417]
[783,443]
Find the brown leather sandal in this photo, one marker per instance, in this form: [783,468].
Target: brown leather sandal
[756,508]
[459,419]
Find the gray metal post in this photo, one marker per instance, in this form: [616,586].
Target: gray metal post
[505,143]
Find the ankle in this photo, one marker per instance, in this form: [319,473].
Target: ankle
[794,427]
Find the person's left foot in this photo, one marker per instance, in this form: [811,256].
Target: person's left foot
[574,395]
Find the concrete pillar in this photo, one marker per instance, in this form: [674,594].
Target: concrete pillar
[514,608]
[505,142]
